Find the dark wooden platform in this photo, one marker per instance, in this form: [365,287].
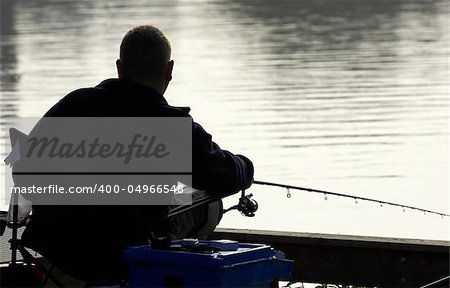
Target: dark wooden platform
[354,260]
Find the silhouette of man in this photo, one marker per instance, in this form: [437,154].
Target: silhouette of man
[87,241]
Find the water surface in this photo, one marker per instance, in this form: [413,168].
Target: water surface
[350,96]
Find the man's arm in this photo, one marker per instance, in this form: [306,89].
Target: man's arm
[216,170]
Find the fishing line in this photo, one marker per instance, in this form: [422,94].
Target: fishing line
[356,198]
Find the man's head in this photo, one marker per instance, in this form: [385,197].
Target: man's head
[145,57]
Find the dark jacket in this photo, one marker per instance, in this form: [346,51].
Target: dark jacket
[87,241]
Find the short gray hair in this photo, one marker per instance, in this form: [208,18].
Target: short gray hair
[145,52]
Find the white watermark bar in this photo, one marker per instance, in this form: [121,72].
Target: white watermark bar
[106,189]
[100,161]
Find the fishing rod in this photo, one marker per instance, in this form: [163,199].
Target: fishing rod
[381,202]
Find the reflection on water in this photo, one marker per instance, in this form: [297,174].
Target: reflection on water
[343,95]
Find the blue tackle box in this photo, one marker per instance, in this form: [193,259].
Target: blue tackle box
[215,263]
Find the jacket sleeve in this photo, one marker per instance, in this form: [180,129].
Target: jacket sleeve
[216,170]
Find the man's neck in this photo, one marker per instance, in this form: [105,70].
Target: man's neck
[149,83]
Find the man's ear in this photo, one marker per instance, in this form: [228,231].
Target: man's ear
[169,70]
[119,66]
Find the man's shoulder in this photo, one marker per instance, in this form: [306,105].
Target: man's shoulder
[175,111]
[74,101]
[83,92]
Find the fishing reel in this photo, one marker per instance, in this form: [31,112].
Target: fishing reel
[247,206]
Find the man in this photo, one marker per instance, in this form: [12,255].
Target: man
[87,241]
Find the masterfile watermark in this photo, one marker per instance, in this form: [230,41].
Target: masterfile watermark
[100,160]
[99,188]
[140,146]
[107,194]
